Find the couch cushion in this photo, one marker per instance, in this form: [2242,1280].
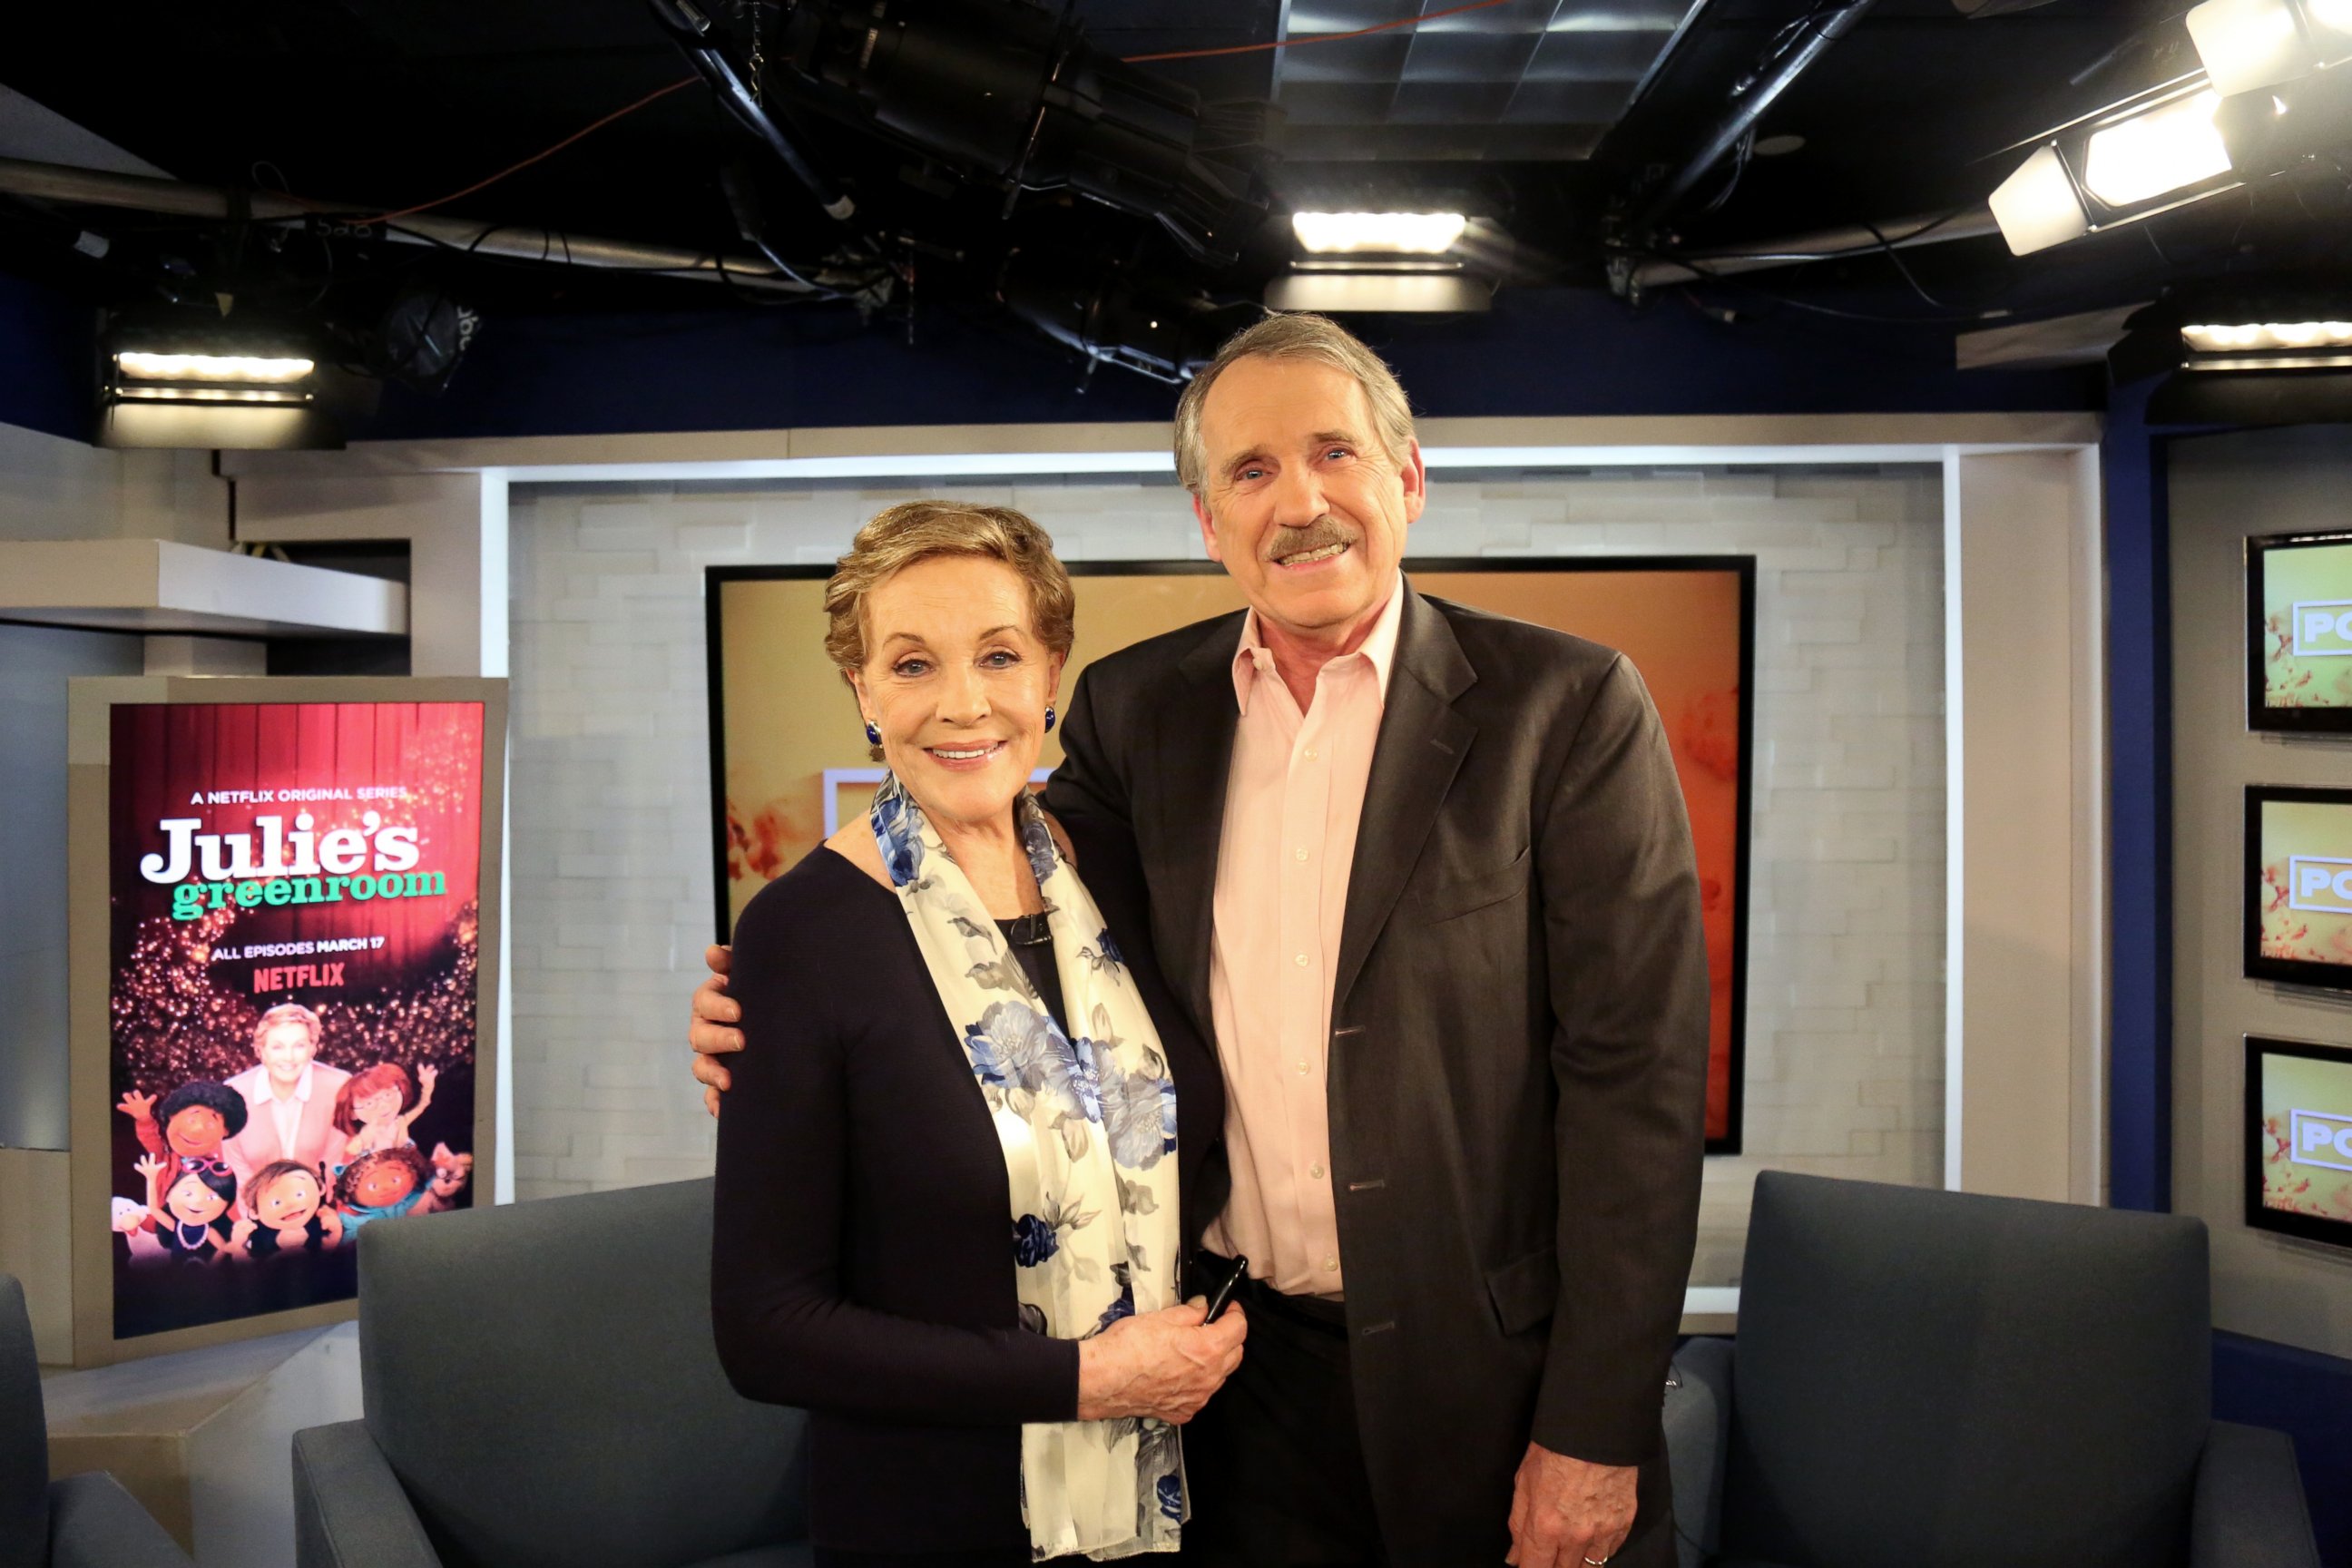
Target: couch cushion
[542,1378]
[1937,1379]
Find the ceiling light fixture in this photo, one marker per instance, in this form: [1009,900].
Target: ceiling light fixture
[2249,44]
[1392,233]
[2129,164]
[2266,352]
[198,381]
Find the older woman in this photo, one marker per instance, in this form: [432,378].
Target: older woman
[949,1217]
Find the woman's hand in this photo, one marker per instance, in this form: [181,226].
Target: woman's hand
[1163,1364]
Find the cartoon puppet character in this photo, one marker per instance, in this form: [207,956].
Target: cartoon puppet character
[287,1205]
[370,1108]
[385,1184]
[191,1212]
[192,1123]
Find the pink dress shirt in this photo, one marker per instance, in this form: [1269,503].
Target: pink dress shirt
[1294,800]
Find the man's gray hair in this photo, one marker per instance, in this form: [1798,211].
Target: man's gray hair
[1296,336]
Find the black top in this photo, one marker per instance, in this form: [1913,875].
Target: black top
[862,1262]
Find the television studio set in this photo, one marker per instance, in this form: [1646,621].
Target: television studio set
[1010,784]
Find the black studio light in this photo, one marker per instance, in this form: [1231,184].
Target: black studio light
[1013,95]
[1088,302]
[2259,353]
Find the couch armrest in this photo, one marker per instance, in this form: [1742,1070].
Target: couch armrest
[1698,1432]
[349,1508]
[94,1524]
[2249,1510]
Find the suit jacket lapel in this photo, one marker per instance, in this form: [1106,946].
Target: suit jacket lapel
[1420,745]
[1195,758]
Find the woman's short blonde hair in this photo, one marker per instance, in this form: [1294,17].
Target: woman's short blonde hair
[1296,336]
[919,530]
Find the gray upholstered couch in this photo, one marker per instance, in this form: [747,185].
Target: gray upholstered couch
[1932,1380]
[541,1392]
[74,1521]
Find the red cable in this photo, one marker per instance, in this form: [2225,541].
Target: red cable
[1313,38]
[527,162]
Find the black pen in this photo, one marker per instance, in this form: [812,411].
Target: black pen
[1232,1282]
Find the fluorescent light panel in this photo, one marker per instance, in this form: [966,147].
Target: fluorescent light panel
[2218,338]
[1407,234]
[213,393]
[211,367]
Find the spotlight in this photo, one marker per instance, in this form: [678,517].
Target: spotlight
[200,382]
[2120,166]
[1399,234]
[2249,44]
[2269,130]
[1006,92]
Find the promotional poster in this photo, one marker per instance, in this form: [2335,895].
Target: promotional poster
[295,896]
[789,763]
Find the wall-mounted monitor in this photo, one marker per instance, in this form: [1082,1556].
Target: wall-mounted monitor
[2298,885]
[2299,633]
[2299,1139]
[789,764]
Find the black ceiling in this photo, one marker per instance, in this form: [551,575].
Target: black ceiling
[1545,114]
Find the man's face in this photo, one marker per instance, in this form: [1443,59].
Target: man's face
[285,1051]
[1300,502]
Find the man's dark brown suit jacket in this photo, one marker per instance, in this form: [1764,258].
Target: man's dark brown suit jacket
[1518,1039]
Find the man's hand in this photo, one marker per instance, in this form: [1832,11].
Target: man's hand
[713,1033]
[1566,1513]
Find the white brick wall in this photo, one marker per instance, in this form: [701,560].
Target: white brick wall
[610,803]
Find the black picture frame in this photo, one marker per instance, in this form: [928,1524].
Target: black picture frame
[2285,971]
[2258,1215]
[715,579]
[2261,717]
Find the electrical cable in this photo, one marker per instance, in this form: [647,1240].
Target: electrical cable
[1311,38]
[654,96]
[1903,266]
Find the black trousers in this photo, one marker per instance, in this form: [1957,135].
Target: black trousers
[1274,1462]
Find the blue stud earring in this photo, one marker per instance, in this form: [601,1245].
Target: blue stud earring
[874,736]
[1049,718]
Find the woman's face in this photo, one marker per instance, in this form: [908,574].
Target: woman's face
[192,1202]
[958,683]
[374,1108]
[288,1203]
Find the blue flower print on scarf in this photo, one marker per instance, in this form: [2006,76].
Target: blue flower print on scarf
[1036,840]
[1034,1241]
[985,1067]
[1122,1307]
[1133,1114]
[1171,1499]
[895,831]
[1033,1054]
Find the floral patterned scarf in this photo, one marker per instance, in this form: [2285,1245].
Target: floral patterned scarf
[1087,1122]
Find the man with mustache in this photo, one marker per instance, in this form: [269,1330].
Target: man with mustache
[1424,874]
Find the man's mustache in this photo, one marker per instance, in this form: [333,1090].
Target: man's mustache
[1321,533]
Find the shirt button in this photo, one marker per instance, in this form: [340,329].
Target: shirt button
[1330,1264]
[1298,854]
[1315,1172]
[1310,753]
[1302,1068]
[1300,960]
